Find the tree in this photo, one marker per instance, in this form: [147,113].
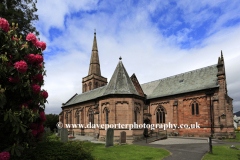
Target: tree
[51,121]
[18,11]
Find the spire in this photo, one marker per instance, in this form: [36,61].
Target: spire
[94,62]
[221,55]
[120,82]
[219,61]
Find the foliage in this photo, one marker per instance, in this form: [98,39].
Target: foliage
[21,107]
[18,11]
[223,152]
[52,148]
[51,121]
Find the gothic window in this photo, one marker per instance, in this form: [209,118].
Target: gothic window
[135,112]
[96,85]
[160,115]
[195,108]
[102,84]
[106,114]
[66,117]
[77,116]
[90,86]
[91,116]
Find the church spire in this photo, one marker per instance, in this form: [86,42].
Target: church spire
[94,62]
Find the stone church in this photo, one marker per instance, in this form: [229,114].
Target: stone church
[197,96]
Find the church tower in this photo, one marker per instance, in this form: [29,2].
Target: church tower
[94,78]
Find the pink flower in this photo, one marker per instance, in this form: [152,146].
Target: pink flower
[38,77]
[14,38]
[34,132]
[42,116]
[31,37]
[31,58]
[21,66]
[36,88]
[14,80]
[4,156]
[37,44]
[42,45]
[25,46]
[4,24]
[24,105]
[40,129]
[44,94]
[38,58]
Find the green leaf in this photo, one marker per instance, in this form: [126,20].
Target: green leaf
[5,117]
[23,129]
[17,130]
[18,152]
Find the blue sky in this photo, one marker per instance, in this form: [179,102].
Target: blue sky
[156,39]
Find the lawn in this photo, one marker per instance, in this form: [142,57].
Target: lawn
[53,149]
[234,140]
[223,153]
[126,152]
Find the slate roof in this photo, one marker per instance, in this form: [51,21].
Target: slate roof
[199,79]
[120,82]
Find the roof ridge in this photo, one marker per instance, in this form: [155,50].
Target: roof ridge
[181,74]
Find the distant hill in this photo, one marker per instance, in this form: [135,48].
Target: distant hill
[237,113]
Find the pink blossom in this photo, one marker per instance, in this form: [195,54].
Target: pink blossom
[38,58]
[34,132]
[36,88]
[40,129]
[31,58]
[38,77]
[44,94]
[21,66]
[4,156]
[14,80]
[14,38]
[4,24]
[31,37]
[42,116]
[42,45]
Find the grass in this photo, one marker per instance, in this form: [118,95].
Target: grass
[52,148]
[234,140]
[223,153]
[133,152]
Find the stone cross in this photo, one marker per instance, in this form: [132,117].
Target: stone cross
[122,139]
[109,137]
[64,135]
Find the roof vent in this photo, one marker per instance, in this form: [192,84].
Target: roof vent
[181,81]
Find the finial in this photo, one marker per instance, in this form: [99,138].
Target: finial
[94,31]
[221,55]
[120,58]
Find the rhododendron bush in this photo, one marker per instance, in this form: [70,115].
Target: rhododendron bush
[22,98]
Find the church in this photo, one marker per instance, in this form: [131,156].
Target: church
[199,96]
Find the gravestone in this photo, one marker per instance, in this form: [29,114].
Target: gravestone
[64,135]
[59,131]
[122,137]
[109,137]
[54,130]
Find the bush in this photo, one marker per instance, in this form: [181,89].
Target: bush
[51,121]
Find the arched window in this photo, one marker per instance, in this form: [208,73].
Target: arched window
[102,84]
[135,113]
[77,117]
[90,86]
[195,108]
[160,115]
[85,87]
[107,111]
[96,85]
[66,117]
[91,116]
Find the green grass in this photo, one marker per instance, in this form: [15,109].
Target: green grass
[234,140]
[52,148]
[223,153]
[131,152]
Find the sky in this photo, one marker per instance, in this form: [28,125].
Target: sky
[156,39]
